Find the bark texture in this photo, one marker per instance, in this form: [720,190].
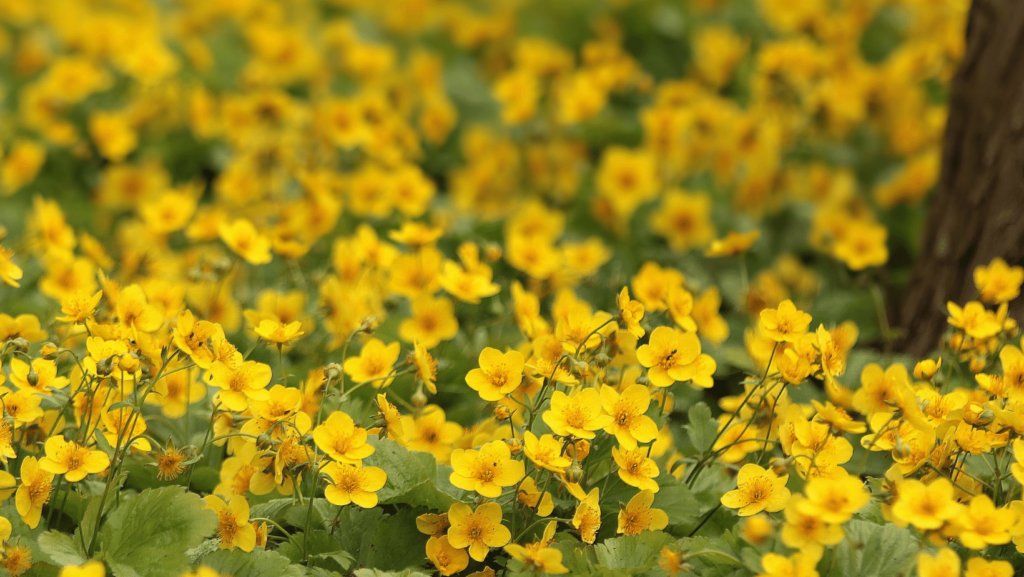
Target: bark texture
[977,212]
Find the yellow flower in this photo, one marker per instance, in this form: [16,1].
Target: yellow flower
[796,565]
[587,518]
[805,530]
[974,319]
[835,500]
[342,440]
[478,530]
[426,367]
[733,243]
[684,220]
[431,432]
[926,506]
[757,490]
[534,498]
[578,415]
[631,312]
[239,385]
[169,212]
[927,368]
[22,406]
[244,240]
[374,363]
[87,569]
[638,516]
[979,567]
[10,273]
[629,423]
[135,312]
[863,245]
[998,282]
[389,416]
[546,452]
[757,529]
[981,524]
[486,471]
[40,377]
[432,321]
[785,324]
[72,460]
[666,354]
[280,333]
[945,563]
[636,468]
[79,306]
[354,484]
[499,374]
[17,559]
[446,558]
[233,526]
[539,558]
[34,491]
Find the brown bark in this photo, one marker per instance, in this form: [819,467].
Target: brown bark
[977,212]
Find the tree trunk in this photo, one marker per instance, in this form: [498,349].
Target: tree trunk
[977,212]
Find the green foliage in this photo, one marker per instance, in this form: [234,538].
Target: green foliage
[871,550]
[414,478]
[147,535]
[702,427]
[258,563]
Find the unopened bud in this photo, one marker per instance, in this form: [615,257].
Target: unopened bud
[49,351]
[502,413]
[986,417]
[643,380]
[578,450]
[32,378]
[580,369]
[515,446]
[926,369]
[901,451]
[492,252]
[956,340]
[976,365]
[129,363]
[1011,328]
[105,366]
[781,466]
[221,265]
[368,326]
[264,442]
[602,360]
[419,398]
[19,345]
[332,371]
[574,474]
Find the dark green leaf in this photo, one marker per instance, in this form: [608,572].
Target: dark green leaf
[701,428]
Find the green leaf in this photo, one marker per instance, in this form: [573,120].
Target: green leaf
[678,502]
[414,478]
[379,573]
[397,543]
[355,531]
[257,563]
[61,549]
[636,552]
[702,428]
[871,550]
[147,536]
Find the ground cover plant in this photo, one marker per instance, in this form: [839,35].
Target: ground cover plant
[351,287]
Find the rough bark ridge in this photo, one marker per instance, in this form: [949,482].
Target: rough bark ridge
[978,210]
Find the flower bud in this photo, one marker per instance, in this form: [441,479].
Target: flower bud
[976,365]
[502,413]
[129,363]
[926,369]
[757,529]
[332,371]
[515,446]
[419,398]
[19,345]
[105,366]
[368,326]
[492,252]
[956,340]
[574,474]
[602,360]
[264,441]
[32,378]
[49,351]
[578,450]
[901,451]
[643,380]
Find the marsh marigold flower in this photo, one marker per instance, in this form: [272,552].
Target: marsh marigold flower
[486,471]
[499,374]
[374,363]
[587,518]
[354,484]
[87,569]
[239,385]
[786,323]
[342,440]
[667,354]
[447,559]
[636,468]
[477,530]
[757,490]
[578,415]
[72,460]
[638,515]
[34,491]
[233,526]
[926,506]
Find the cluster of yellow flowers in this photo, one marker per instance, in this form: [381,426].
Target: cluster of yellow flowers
[296,245]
